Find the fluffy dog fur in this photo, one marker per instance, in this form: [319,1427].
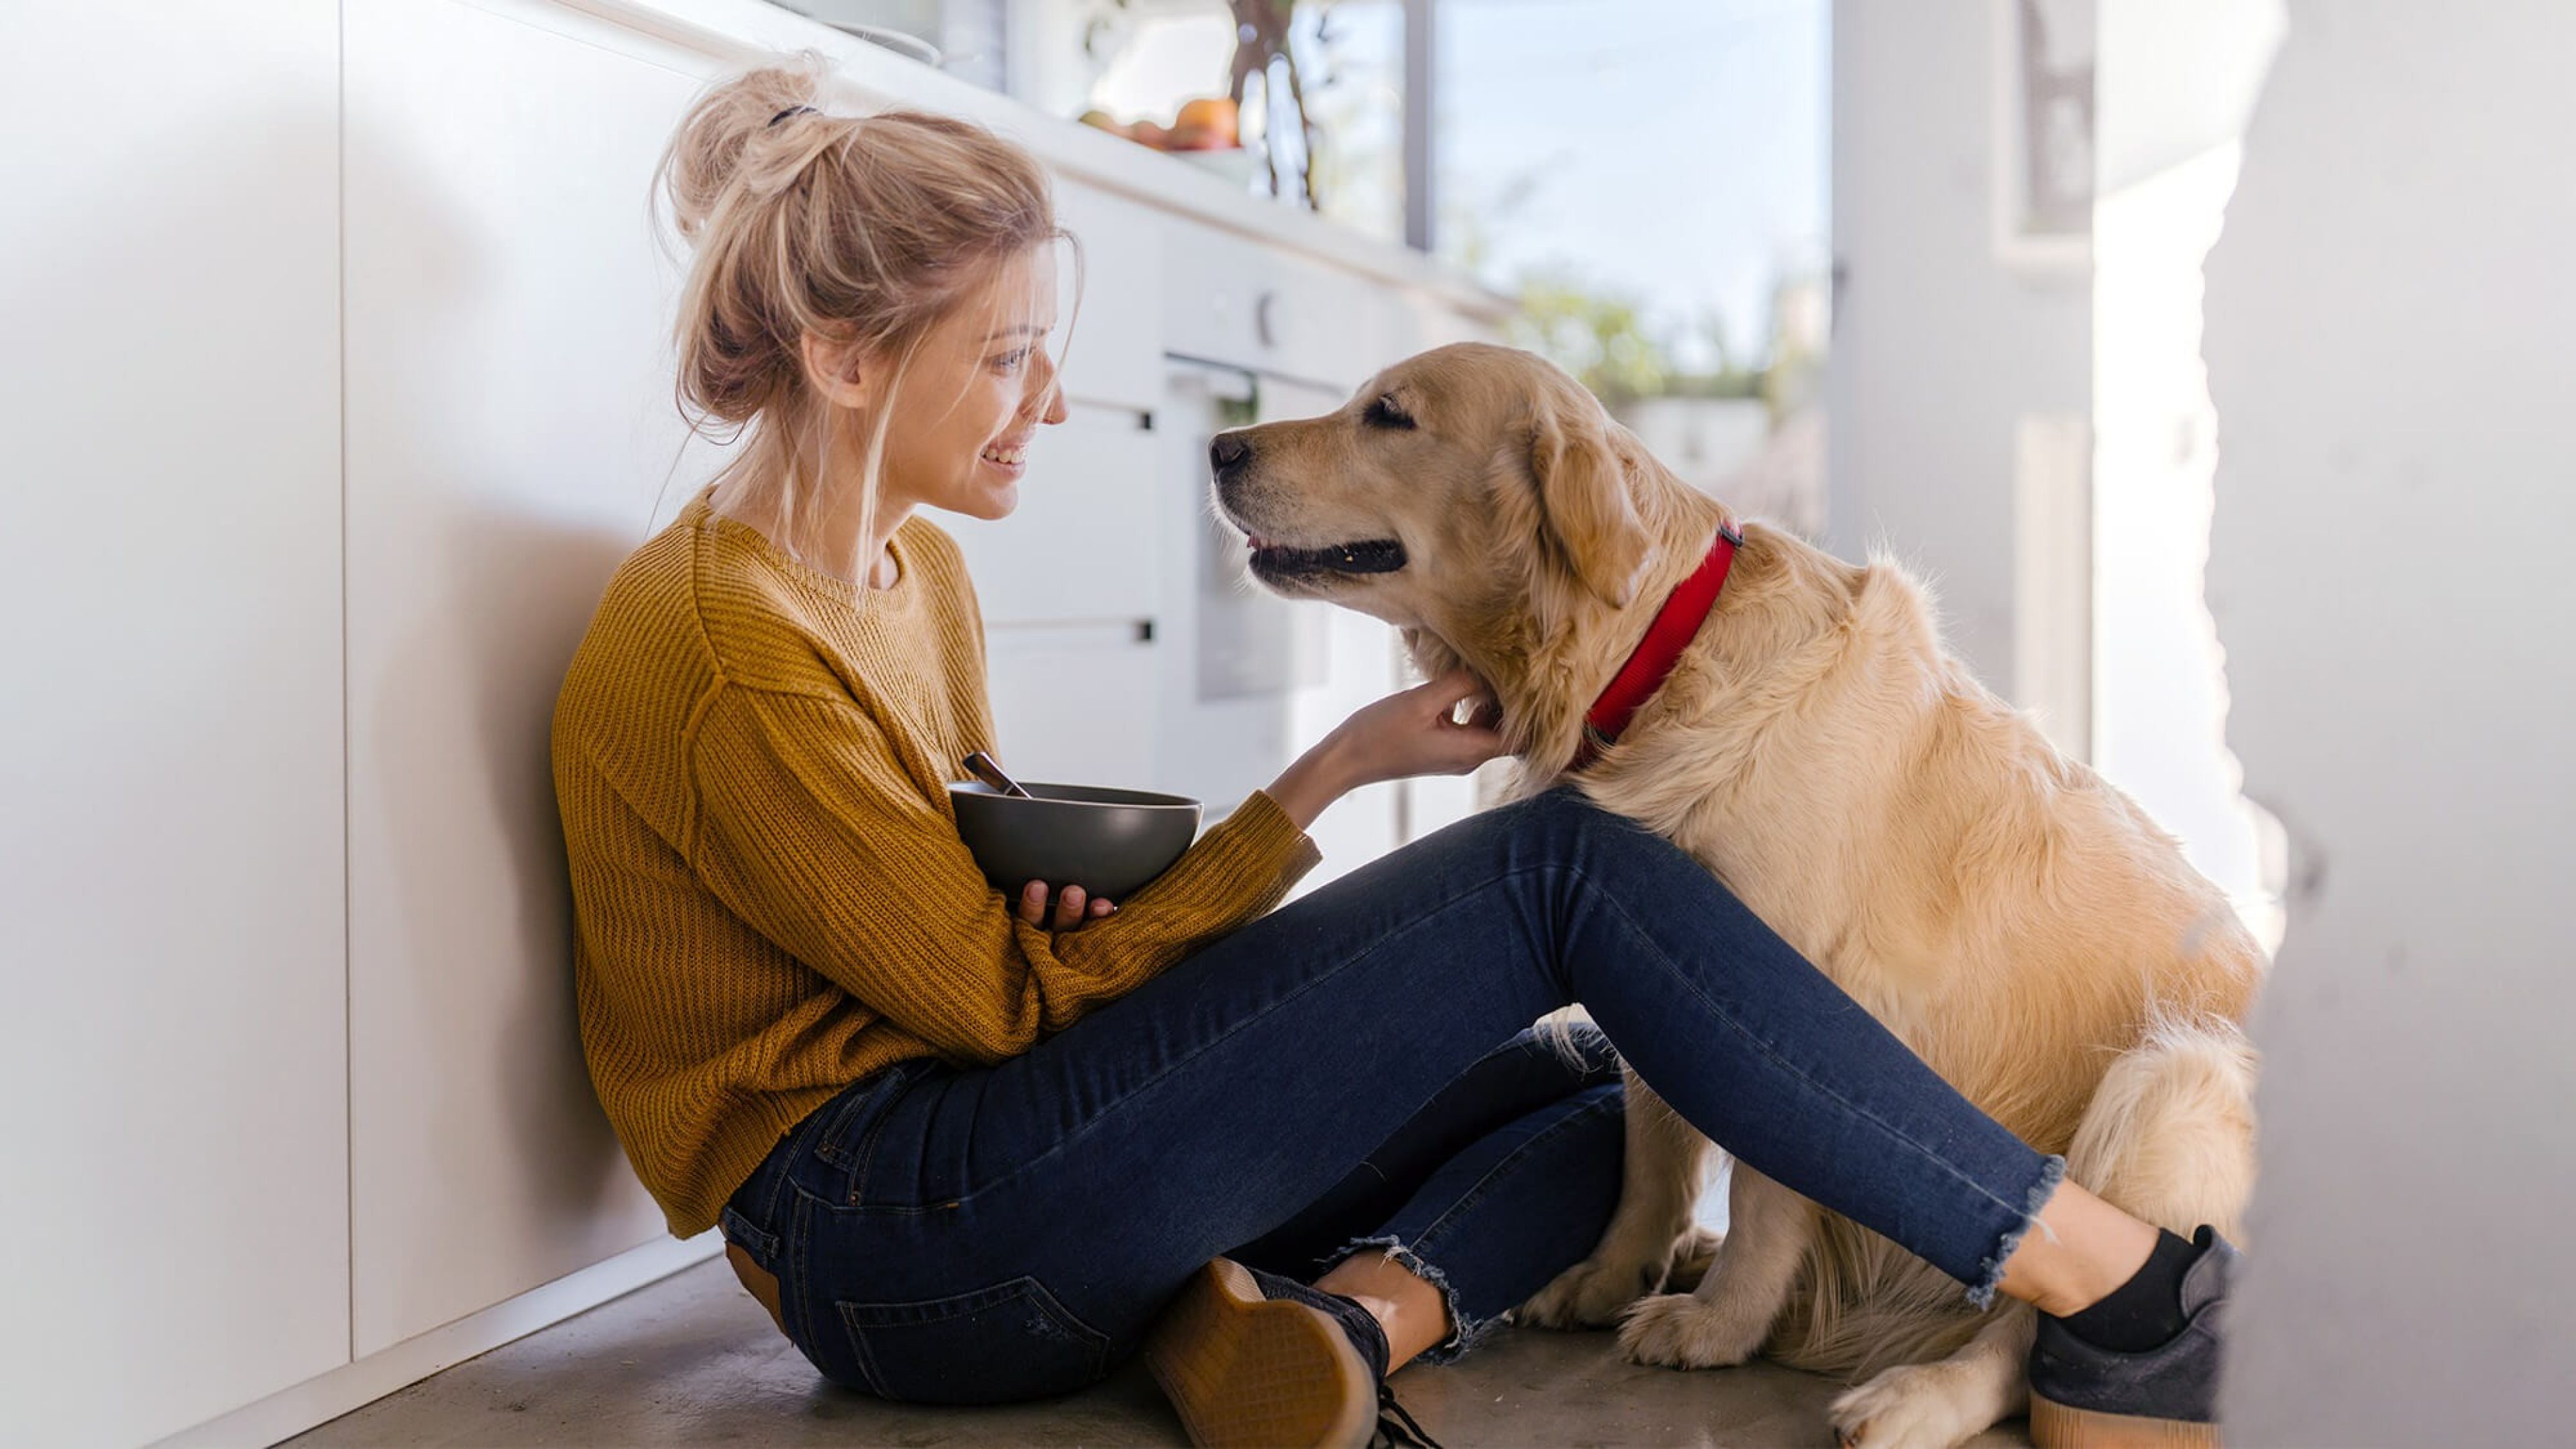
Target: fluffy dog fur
[2019,923]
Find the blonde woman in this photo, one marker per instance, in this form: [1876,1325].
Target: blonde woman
[970,1147]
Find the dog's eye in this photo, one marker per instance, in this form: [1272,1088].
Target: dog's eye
[1383,413]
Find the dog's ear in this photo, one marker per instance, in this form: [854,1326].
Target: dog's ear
[1583,496]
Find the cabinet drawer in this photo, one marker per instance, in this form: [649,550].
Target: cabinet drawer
[1074,704]
[1235,301]
[1084,545]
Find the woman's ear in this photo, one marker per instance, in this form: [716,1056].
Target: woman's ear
[1583,497]
[835,372]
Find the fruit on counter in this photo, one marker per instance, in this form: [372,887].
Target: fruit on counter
[1213,116]
[1207,124]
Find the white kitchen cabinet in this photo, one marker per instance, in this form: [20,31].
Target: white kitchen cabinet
[1111,332]
[172,1050]
[1231,300]
[1069,703]
[343,383]
[1076,550]
[1072,593]
[511,437]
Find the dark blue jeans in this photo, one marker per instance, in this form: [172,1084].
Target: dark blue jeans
[1354,1069]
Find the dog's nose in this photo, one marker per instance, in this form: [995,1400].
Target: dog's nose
[1228,452]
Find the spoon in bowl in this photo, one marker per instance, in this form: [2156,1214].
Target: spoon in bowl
[981,766]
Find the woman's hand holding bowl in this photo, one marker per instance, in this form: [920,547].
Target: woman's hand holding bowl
[1071,907]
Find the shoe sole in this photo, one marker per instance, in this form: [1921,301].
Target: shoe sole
[1247,1372]
[2055,1426]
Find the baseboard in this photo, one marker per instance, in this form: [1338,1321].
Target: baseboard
[319,1400]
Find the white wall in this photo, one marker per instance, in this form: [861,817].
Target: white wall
[1938,349]
[173,1051]
[2389,317]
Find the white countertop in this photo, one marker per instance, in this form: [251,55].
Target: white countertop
[740,32]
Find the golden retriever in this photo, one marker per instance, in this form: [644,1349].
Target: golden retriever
[2017,921]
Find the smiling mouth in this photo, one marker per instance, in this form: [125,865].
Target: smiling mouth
[1367,556]
[1011,456]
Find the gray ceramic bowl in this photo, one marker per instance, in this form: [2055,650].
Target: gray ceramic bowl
[1109,842]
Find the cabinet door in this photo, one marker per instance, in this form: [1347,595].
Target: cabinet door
[1082,546]
[510,438]
[171,924]
[1073,705]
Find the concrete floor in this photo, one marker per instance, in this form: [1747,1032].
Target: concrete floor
[692,1360]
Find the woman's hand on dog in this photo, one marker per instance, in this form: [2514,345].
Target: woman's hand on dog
[1072,908]
[1417,731]
[1414,732]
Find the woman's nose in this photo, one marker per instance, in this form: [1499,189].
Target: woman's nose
[1050,392]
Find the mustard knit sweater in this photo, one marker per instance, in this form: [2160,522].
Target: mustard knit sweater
[770,896]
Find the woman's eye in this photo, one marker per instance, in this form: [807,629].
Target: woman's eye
[1011,361]
[1383,413]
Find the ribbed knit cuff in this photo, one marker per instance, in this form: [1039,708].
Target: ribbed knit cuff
[1260,840]
[1238,870]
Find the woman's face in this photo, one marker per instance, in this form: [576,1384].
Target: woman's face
[964,412]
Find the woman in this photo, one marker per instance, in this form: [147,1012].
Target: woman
[970,1148]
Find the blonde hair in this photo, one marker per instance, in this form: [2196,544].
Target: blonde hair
[864,232]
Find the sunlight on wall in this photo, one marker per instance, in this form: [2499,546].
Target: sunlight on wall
[2160,686]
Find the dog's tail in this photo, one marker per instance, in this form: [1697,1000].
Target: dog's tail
[1866,1304]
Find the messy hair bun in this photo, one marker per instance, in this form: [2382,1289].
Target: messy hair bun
[863,231]
[707,154]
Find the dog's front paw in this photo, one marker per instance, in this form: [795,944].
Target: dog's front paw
[1590,1294]
[1684,1330]
[1911,1406]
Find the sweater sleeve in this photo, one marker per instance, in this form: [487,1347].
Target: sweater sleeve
[810,829]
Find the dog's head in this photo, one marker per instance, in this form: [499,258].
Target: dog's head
[1457,490]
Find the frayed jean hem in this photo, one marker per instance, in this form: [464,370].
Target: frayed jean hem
[1990,1273]
[1464,1332]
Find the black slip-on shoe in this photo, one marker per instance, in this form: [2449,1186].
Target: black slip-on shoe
[2083,1397]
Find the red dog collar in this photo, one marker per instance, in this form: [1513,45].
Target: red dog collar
[1674,626]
